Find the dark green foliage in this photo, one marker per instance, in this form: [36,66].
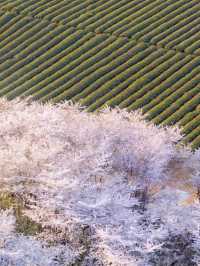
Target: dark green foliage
[131,53]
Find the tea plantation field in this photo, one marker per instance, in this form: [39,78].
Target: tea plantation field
[127,53]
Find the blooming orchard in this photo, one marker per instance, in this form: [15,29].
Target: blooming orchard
[104,188]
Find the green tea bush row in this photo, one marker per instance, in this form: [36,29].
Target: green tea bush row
[175,91]
[173,107]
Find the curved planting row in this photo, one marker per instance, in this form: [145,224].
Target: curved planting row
[171,24]
[53,61]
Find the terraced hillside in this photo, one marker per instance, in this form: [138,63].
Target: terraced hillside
[131,53]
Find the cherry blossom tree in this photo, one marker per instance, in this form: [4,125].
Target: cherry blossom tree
[104,187]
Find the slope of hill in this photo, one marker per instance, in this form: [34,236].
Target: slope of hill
[131,53]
